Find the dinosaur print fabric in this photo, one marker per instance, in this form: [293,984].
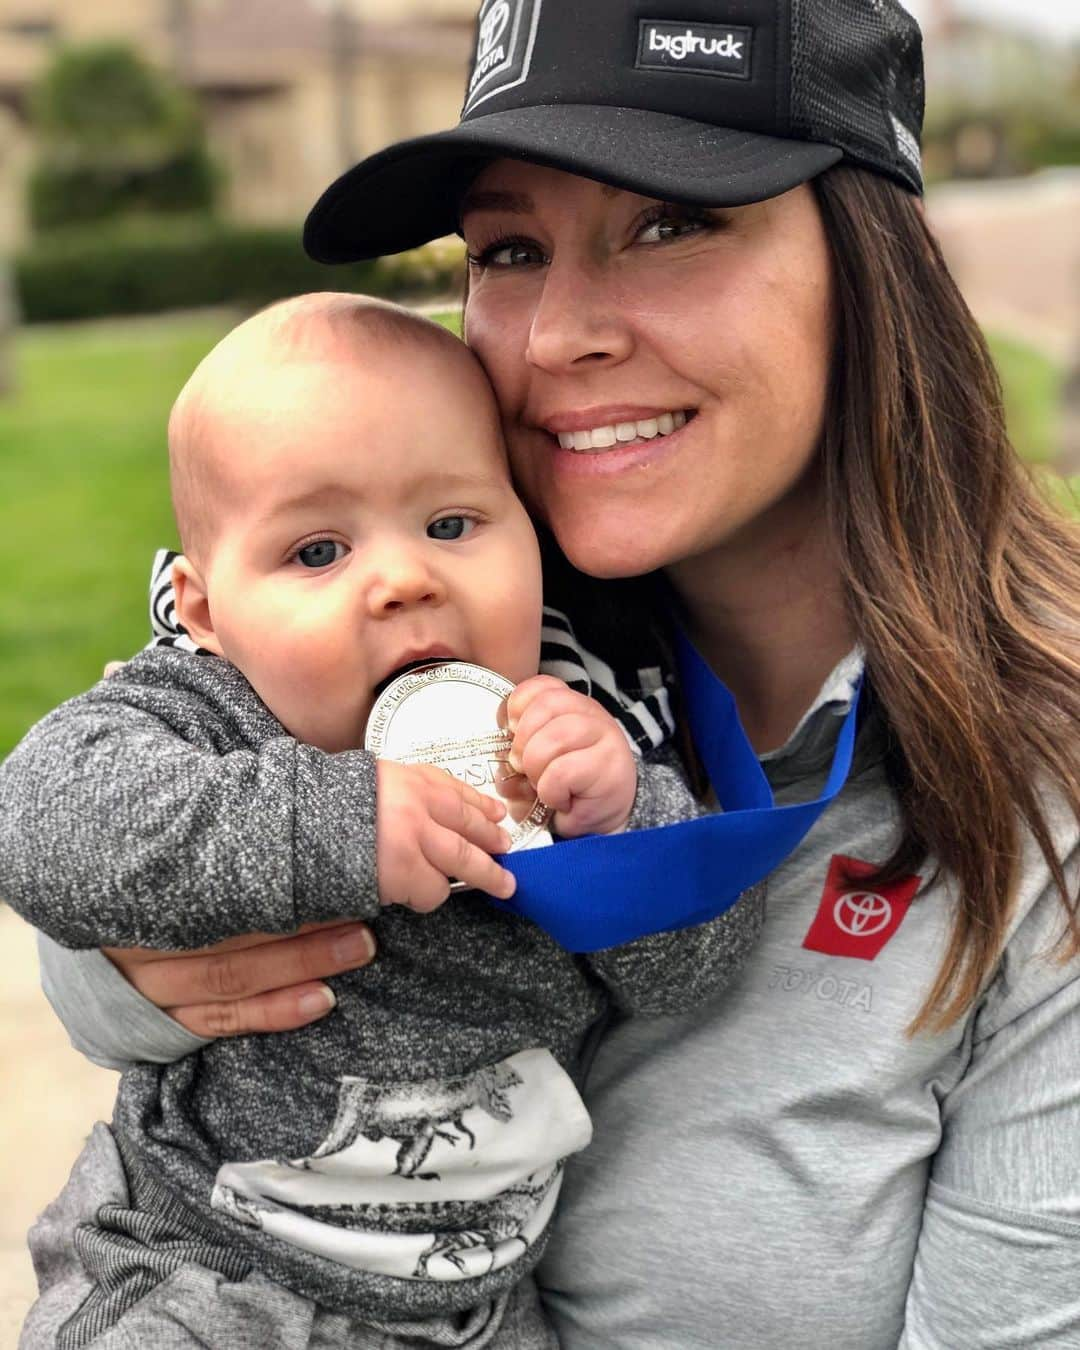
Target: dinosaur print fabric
[489,1142]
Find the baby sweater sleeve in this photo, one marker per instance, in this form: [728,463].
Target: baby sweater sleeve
[168,808]
[675,972]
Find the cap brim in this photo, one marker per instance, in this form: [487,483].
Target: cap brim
[408,193]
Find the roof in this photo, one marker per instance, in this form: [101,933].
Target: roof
[249,45]
[277,36]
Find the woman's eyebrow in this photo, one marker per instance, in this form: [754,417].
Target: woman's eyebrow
[517,202]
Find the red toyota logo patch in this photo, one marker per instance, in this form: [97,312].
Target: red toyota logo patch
[855,922]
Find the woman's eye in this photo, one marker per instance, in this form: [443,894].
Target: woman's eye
[450,527]
[320,553]
[508,253]
[663,229]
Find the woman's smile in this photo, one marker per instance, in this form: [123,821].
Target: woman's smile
[615,447]
[605,428]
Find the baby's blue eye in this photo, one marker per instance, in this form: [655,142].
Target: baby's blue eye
[321,553]
[450,527]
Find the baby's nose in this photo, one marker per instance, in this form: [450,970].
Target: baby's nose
[401,583]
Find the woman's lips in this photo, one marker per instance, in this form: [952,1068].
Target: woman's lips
[596,439]
[617,458]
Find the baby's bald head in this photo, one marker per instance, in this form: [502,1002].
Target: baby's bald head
[207,445]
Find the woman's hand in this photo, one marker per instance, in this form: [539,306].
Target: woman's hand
[258,982]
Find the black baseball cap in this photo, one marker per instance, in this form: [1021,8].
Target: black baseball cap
[707,102]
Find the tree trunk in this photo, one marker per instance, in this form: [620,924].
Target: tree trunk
[1069,459]
[8,324]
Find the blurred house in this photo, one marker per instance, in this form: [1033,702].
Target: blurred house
[292,90]
[996,94]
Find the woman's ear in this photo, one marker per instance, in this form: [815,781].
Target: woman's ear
[193,605]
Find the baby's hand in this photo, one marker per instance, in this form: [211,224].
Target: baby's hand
[574,754]
[431,828]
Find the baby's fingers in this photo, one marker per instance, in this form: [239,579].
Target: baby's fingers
[458,814]
[454,856]
[562,736]
[526,693]
[448,789]
[566,778]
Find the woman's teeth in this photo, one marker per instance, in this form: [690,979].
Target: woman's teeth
[622,433]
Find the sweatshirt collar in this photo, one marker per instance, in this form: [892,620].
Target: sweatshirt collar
[814,738]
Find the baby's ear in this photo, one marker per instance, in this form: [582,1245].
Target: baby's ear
[193,605]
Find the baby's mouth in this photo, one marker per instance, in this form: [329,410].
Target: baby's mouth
[422,663]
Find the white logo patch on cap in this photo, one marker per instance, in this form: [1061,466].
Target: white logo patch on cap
[705,48]
[906,144]
[504,44]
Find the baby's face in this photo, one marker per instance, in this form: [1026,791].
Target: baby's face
[370,523]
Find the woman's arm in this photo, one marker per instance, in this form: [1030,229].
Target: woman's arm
[999,1249]
[243,985]
[114,1009]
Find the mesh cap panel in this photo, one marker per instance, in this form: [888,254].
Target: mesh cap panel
[857,81]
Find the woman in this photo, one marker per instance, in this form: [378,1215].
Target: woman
[726,348]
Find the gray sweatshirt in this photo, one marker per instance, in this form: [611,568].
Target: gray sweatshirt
[401,1158]
[785,1167]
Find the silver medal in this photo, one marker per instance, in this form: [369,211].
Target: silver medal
[446,714]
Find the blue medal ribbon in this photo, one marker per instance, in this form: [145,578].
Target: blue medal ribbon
[605,890]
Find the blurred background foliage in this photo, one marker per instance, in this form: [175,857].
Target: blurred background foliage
[115,138]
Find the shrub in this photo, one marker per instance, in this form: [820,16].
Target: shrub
[115,137]
[436,269]
[149,266]
[84,194]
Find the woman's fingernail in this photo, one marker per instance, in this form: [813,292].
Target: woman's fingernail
[318,1002]
[354,948]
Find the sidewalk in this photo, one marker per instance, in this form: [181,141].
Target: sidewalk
[51,1097]
[1014,249]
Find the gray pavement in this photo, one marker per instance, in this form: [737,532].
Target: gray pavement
[51,1098]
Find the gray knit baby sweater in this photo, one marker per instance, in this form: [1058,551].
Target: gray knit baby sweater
[400,1158]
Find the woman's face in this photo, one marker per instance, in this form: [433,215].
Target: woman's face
[605,319]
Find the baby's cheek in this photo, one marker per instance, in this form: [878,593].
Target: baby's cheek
[302,670]
[519,642]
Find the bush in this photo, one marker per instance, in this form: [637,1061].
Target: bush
[436,269]
[146,267]
[115,137]
[85,194]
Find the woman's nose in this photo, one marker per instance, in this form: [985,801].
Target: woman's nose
[576,323]
[401,581]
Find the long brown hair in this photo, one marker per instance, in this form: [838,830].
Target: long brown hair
[963,583]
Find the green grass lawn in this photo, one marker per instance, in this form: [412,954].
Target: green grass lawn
[83,500]
[84,497]
[1032,397]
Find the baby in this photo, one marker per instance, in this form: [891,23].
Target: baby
[387,1175]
